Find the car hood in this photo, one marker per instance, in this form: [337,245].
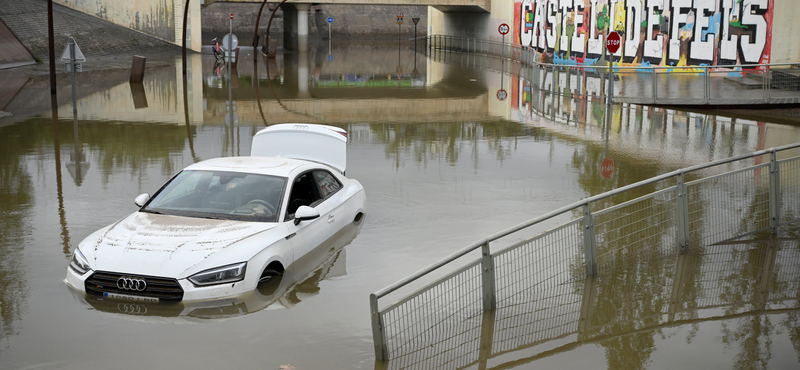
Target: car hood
[162,245]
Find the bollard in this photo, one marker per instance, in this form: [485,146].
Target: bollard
[137,69]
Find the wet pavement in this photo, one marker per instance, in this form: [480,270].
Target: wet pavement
[444,163]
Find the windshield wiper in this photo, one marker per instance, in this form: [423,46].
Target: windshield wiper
[152,211]
[214,217]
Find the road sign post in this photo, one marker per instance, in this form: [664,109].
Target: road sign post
[415,20]
[330,20]
[503,29]
[613,42]
[399,24]
[72,55]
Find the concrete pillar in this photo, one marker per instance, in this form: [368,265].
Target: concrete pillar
[302,26]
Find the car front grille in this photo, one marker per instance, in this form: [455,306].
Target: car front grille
[157,287]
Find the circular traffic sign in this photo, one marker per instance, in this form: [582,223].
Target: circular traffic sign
[607,167]
[330,19]
[501,95]
[612,42]
[231,16]
[230,42]
[503,29]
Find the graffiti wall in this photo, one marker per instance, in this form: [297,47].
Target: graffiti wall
[653,32]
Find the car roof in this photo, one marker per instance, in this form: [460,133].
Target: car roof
[275,166]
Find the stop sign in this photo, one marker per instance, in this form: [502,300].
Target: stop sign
[612,42]
[607,167]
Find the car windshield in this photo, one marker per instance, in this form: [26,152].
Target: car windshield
[220,195]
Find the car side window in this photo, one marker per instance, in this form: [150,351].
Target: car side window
[305,192]
[328,184]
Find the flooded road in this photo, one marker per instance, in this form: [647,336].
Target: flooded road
[444,163]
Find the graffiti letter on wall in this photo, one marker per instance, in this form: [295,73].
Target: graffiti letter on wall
[526,31]
[753,18]
[634,36]
[654,40]
[552,18]
[566,22]
[595,45]
[702,45]
[729,42]
[682,28]
[539,19]
[579,37]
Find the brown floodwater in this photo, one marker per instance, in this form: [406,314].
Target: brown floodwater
[444,161]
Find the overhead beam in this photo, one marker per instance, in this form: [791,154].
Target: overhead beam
[443,5]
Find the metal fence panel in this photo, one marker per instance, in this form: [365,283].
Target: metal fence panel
[785,282]
[545,260]
[438,325]
[549,313]
[790,190]
[642,228]
[729,205]
[538,284]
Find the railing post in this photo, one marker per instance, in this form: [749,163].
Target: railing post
[706,83]
[589,244]
[683,214]
[655,84]
[487,273]
[774,192]
[378,334]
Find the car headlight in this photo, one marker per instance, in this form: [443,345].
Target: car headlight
[220,275]
[79,263]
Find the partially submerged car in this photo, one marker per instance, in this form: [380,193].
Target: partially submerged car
[327,261]
[220,227]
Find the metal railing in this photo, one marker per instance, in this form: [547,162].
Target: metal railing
[752,84]
[708,203]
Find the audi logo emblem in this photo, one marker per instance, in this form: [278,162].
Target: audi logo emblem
[129,283]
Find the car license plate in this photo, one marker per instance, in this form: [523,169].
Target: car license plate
[130,297]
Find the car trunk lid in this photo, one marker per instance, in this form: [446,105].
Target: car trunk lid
[317,143]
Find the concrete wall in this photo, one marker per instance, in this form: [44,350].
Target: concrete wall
[786,32]
[162,19]
[467,22]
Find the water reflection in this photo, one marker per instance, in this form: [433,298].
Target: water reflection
[436,142]
[301,282]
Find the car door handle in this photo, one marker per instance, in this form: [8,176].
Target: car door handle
[330,218]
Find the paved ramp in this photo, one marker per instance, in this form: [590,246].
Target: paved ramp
[12,53]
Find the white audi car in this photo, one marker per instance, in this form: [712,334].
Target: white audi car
[222,226]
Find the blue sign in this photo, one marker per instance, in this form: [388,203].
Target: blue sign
[330,58]
[330,19]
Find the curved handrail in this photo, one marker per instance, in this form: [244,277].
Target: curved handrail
[601,66]
[460,253]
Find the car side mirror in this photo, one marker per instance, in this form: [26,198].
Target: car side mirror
[305,213]
[141,199]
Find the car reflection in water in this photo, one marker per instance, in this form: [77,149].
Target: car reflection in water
[300,282]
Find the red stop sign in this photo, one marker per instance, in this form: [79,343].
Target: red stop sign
[612,42]
[607,167]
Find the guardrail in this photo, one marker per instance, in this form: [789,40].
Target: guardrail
[753,84]
[731,201]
